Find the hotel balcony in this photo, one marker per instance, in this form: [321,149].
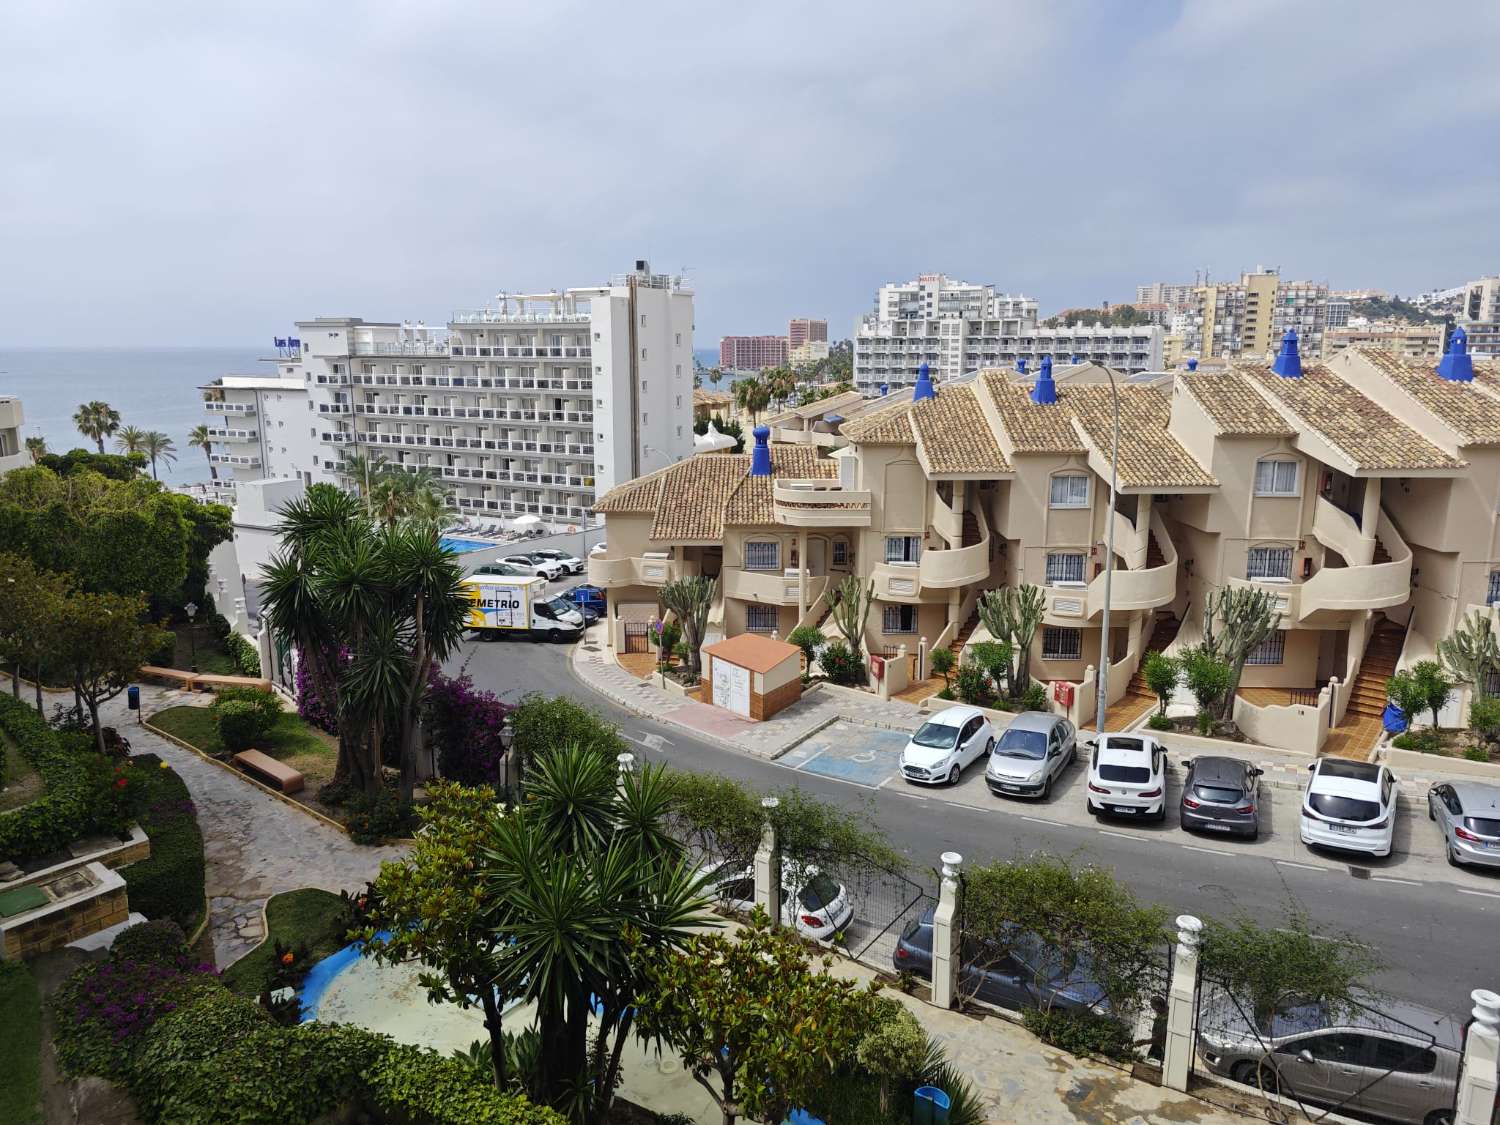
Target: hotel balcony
[250,460]
[233,435]
[646,570]
[819,503]
[218,406]
[334,408]
[771,587]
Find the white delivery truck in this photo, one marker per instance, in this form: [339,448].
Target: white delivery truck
[500,606]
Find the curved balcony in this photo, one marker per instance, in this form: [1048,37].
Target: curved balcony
[1376,585]
[895,582]
[819,503]
[1141,586]
[771,587]
[957,566]
[648,571]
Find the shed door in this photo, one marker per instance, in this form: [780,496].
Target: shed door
[732,687]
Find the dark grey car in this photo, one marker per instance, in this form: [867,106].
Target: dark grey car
[1218,795]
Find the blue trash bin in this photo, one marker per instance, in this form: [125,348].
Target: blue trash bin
[930,1106]
[133,697]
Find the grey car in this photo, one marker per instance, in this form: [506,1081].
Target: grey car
[1398,1064]
[1218,795]
[1468,812]
[1030,754]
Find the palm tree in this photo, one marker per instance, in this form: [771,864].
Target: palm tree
[130,439]
[96,421]
[198,438]
[360,472]
[37,447]
[751,396]
[156,444]
[399,494]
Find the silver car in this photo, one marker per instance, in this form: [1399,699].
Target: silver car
[1398,1064]
[1468,812]
[1031,753]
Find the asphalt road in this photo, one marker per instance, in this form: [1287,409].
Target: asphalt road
[1439,942]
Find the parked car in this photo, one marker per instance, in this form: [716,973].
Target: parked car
[1029,974]
[1468,812]
[1399,1063]
[1219,795]
[1350,806]
[820,908]
[509,570]
[942,746]
[590,601]
[599,548]
[1030,755]
[1128,776]
[531,564]
[571,563]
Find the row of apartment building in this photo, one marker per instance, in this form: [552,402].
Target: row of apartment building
[532,405]
[806,341]
[1362,492]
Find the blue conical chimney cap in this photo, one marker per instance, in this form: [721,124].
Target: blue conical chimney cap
[1021,365]
[923,389]
[1045,391]
[760,456]
[1457,364]
[885,389]
[1288,362]
[1192,365]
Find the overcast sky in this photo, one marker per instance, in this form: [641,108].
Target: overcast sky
[195,173]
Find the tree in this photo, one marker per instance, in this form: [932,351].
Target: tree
[1208,678]
[583,861]
[715,375]
[540,724]
[36,445]
[360,471]
[158,446]
[96,421]
[942,663]
[690,599]
[1405,692]
[1013,614]
[1237,619]
[100,642]
[1471,654]
[895,1048]
[416,495]
[751,396]
[808,638]
[131,439]
[30,601]
[750,1013]
[199,438]
[1434,689]
[1161,674]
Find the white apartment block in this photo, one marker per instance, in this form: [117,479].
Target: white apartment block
[528,406]
[1249,317]
[1177,298]
[955,327]
[1479,313]
[13,453]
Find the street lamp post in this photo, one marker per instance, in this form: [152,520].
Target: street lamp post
[1101,703]
[191,609]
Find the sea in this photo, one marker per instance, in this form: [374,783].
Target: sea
[153,388]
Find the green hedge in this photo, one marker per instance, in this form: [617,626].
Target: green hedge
[20,1046]
[245,655]
[170,883]
[79,799]
[426,1088]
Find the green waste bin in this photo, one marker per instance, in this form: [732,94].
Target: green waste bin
[929,1106]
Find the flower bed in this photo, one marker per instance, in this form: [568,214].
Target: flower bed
[168,884]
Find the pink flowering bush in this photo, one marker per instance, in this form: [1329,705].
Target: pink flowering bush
[463,724]
[320,712]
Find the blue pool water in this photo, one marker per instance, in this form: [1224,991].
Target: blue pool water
[459,546]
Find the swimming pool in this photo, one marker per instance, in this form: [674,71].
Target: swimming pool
[461,546]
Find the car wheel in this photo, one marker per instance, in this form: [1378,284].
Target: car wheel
[1430,814]
[1453,860]
[1259,1075]
[1093,808]
[1439,1117]
[1161,816]
[953,775]
[1046,794]
[1254,835]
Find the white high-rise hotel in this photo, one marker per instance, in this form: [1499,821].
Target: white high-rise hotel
[532,405]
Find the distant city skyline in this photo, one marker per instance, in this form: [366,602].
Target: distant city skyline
[203,176]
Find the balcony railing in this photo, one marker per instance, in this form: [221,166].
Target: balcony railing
[249,459]
[819,503]
[647,570]
[220,407]
[771,587]
[233,435]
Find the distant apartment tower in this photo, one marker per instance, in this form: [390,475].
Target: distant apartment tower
[1339,308]
[801,330]
[1402,340]
[13,453]
[529,406]
[957,327]
[1249,317]
[1177,298]
[1479,313]
[752,353]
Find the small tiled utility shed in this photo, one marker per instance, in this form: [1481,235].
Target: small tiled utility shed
[752,675]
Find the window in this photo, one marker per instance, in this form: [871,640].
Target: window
[903,548]
[761,618]
[679,400]
[899,619]
[1272,650]
[1494,594]
[1269,562]
[1062,644]
[762,556]
[1070,490]
[840,553]
[678,336]
[1276,478]
[1064,567]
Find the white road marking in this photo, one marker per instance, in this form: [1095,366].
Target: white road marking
[811,758]
[1037,820]
[1391,879]
[1481,894]
[1121,835]
[1302,866]
[1209,851]
[886,782]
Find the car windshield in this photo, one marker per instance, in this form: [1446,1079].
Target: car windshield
[1218,793]
[939,735]
[1023,744]
[1483,825]
[1124,773]
[1342,808]
[819,892]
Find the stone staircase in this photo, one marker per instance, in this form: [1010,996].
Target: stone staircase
[971,530]
[956,645]
[1381,554]
[1161,636]
[1154,557]
[1367,697]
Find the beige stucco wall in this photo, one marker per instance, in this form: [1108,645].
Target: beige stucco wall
[931,618]
[1299,665]
[735,617]
[784,673]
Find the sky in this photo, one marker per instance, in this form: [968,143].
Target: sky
[198,174]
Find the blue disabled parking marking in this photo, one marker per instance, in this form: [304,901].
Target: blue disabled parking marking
[850,752]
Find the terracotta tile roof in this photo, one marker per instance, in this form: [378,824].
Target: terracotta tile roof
[953,435]
[883,423]
[1233,406]
[642,494]
[754,651]
[1032,429]
[1368,436]
[833,404]
[1473,412]
[750,502]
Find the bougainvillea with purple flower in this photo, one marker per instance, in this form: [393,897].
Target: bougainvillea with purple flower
[311,705]
[463,724]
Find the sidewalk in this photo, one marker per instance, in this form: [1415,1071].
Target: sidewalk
[595,666]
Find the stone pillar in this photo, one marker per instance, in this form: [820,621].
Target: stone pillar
[1476,1090]
[1143,525]
[626,762]
[1369,513]
[921,658]
[801,574]
[1177,1055]
[768,865]
[946,933]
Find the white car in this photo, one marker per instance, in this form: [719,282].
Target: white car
[822,908]
[542,568]
[1128,776]
[570,563]
[942,746]
[599,548]
[1350,806]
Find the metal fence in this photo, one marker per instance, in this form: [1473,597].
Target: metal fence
[1364,1059]
[885,902]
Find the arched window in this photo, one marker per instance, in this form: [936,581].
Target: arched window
[1275,476]
[763,555]
[1069,490]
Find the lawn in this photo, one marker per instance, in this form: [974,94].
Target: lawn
[309,917]
[291,740]
[212,657]
[20,1046]
[22,782]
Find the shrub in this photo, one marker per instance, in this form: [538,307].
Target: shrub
[464,725]
[1477,754]
[239,726]
[1081,1032]
[218,626]
[943,661]
[320,712]
[973,686]
[994,657]
[807,638]
[1034,698]
[165,652]
[841,664]
[1159,721]
[1161,673]
[245,655]
[1484,718]
[161,941]
[168,884]
[893,1050]
[375,819]
[946,694]
[1420,741]
[1207,677]
[417,1085]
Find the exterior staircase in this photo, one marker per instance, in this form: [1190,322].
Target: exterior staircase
[1381,554]
[1154,557]
[1161,636]
[971,530]
[1367,697]
[960,638]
